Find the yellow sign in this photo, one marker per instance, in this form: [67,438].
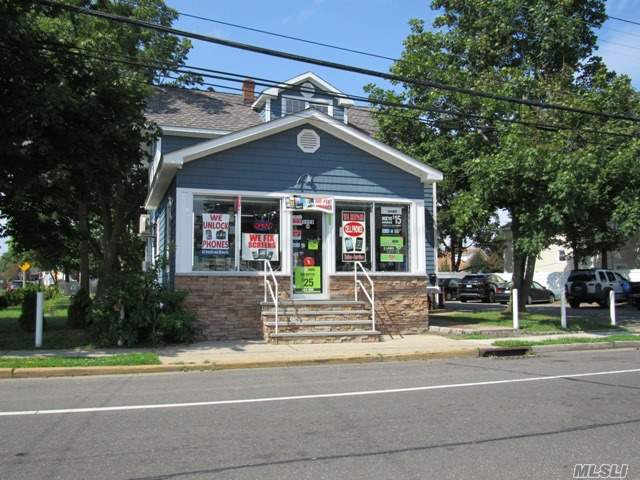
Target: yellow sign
[24,266]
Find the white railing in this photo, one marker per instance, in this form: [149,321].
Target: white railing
[273,290]
[357,285]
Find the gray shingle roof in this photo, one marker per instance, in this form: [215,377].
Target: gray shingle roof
[179,107]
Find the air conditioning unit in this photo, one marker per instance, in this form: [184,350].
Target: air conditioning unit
[145,229]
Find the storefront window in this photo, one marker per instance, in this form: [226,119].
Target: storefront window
[353,236]
[260,228]
[214,239]
[392,238]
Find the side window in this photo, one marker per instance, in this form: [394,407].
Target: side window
[537,285]
[611,276]
[602,276]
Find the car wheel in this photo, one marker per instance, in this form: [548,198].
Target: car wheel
[463,300]
[492,297]
[529,300]
[447,296]
[604,303]
[574,304]
[552,299]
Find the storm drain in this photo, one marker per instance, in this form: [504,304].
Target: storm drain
[505,352]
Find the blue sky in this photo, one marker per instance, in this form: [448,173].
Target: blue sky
[378,26]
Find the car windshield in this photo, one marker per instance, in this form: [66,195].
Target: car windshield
[582,276]
[474,278]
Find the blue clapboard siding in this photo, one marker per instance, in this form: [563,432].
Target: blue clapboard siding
[429,229]
[171,143]
[273,164]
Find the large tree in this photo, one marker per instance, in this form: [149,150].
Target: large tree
[529,49]
[74,169]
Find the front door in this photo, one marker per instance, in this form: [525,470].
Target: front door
[307,242]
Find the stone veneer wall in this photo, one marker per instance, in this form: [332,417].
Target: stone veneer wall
[228,307]
[401,301]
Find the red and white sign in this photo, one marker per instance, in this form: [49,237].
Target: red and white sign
[260,246]
[354,236]
[315,203]
[215,234]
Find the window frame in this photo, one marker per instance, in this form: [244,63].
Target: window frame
[417,240]
[307,104]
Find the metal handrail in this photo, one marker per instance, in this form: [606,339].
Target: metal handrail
[273,291]
[372,298]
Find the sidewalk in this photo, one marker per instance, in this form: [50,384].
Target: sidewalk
[244,354]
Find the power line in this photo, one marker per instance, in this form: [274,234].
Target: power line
[623,20]
[330,64]
[234,77]
[288,37]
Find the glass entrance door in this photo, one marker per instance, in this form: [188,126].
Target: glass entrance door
[306,238]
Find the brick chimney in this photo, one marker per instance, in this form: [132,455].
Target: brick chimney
[248,91]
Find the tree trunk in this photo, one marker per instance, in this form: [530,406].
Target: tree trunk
[83,224]
[453,254]
[604,260]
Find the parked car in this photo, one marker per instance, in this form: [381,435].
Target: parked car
[449,287]
[479,287]
[537,294]
[593,285]
[14,285]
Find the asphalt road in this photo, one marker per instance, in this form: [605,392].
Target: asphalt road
[506,421]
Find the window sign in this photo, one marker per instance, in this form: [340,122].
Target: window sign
[354,236]
[391,249]
[392,236]
[307,279]
[316,204]
[215,234]
[260,246]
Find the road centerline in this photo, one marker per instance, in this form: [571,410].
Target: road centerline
[312,396]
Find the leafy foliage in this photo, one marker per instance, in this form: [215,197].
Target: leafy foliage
[135,309]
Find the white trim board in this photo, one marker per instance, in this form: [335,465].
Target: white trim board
[273,92]
[176,159]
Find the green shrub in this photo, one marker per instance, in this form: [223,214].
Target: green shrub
[134,309]
[78,310]
[4,303]
[51,292]
[16,297]
[27,318]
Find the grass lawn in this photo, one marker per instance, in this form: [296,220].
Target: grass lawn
[564,340]
[41,362]
[529,322]
[56,333]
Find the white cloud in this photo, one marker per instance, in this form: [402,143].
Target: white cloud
[304,14]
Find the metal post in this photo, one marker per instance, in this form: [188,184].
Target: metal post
[612,307]
[39,318]
[516,320]
[265,281]
[355,280]
[24,279]
[563,310]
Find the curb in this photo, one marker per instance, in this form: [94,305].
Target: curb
[50,372]
[572,347]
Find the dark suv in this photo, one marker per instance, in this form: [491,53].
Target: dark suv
[593,285]
[479,287]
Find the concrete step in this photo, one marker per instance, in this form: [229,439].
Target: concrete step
[313,323]
[323,303]
[303,312]
[326,337]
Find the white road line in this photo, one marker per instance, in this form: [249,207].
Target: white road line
[309,397]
